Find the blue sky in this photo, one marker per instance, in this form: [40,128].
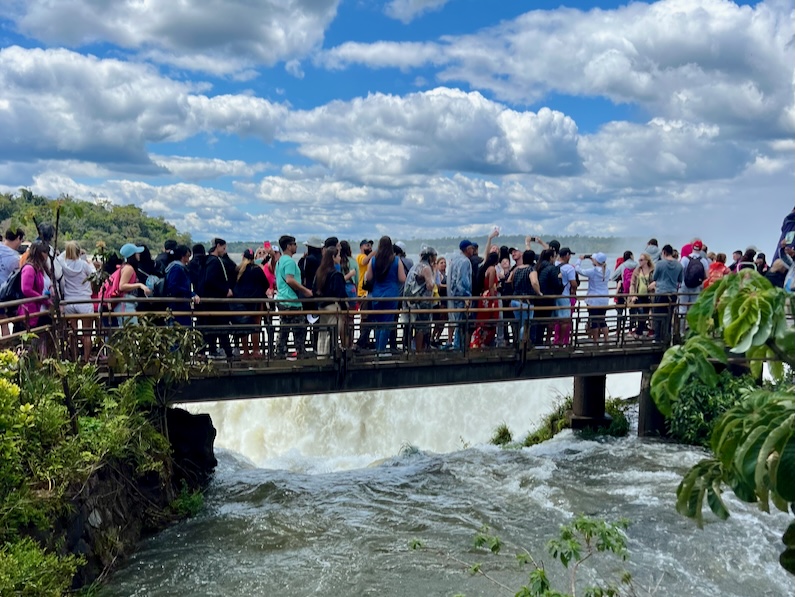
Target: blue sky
[413,118]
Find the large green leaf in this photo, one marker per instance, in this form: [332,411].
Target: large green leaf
[785,472]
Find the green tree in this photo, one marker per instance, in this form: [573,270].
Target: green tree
[88,222]
[754,441]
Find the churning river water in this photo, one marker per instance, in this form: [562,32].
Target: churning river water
[322,496]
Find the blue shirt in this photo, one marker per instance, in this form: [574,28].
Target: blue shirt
[459,276]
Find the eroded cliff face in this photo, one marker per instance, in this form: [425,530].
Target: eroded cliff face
[118,506]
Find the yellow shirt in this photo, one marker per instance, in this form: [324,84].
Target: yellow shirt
[360,260]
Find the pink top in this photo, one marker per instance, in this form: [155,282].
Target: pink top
[32,285]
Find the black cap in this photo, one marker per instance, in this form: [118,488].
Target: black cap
[554,244]
[566,251]
[364,241]
[512,249]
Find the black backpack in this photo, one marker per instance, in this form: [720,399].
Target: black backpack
[11,290]
[694,273]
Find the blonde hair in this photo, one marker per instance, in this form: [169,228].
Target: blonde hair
[72,250]
[649,260]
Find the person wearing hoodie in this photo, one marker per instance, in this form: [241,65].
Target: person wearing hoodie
[77,287]
[164,258]
[653,250]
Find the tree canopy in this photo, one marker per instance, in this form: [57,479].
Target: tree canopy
[87,222]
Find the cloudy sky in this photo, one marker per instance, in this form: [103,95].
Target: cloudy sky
[414,118]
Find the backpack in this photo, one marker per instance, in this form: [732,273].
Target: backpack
[11,290]
[550,280]
[110,287]
[627,280]
[415,284]
[694,273]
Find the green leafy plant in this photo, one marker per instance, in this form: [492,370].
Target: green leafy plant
[165,355]
[754,440]
[576,543]
[187,503]
[695,412]
[27,570]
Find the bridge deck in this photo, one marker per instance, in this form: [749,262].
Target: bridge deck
[350,372]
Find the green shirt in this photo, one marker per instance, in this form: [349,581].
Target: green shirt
[286,266]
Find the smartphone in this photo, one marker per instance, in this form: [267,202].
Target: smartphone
[267,245]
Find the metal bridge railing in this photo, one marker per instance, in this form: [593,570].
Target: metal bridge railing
[507,323]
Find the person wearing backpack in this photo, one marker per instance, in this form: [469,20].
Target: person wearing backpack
[420,282]
[128,284]
[597,297]
[33,283]
[695,267]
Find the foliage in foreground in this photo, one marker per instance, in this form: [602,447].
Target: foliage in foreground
[698,407]
[576,543]
[754,441]
[43,462]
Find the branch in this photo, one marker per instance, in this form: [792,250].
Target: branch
[480,571]
[782,356]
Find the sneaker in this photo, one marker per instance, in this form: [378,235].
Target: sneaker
[292,356]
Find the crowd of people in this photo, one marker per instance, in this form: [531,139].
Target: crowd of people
[524,295]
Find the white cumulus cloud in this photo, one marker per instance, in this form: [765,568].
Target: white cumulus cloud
[215,36]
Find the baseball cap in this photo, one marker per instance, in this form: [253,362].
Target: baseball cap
[364,241]
[566,251]
[697,245]
[129,249]
[401,244]
[554,244]
[464,245]
[512,249]
[600,257]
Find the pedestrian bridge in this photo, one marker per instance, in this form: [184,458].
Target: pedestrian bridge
[347,369]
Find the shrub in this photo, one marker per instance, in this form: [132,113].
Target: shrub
[502,435]
[553,423]
[28,571]
[699,405]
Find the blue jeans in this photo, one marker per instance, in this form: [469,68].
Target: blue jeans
[458,324]
[523,313]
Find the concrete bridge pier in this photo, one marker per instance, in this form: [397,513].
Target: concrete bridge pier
[651,422]
[589,402]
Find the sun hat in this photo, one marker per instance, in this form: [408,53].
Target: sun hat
[315,242]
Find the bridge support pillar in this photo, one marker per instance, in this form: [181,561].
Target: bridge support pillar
[651,422]
[589,402]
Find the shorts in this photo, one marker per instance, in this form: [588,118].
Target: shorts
[421,322]
[79,309]
[597,322]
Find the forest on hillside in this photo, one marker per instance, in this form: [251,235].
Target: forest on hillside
[87,222]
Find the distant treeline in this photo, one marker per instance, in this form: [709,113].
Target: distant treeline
[87,222]
[578,243]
